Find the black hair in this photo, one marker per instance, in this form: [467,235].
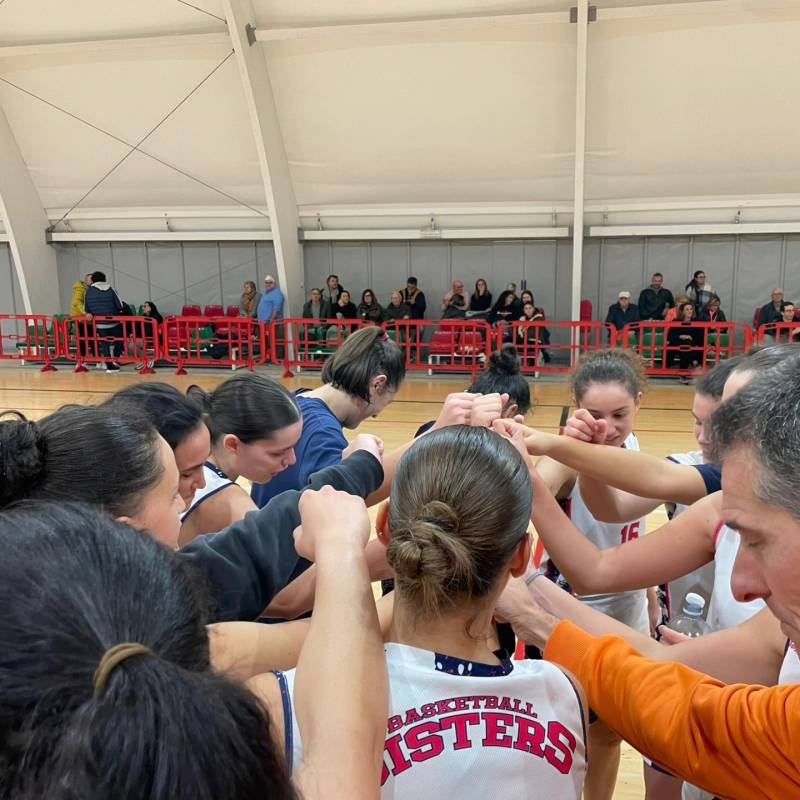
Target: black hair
[164,726]
[502,375]
[248,405]
[98,277]
[154,312]
[374,299]
[366,353]
[174,415]
[327,280]
[760,358]
[411,279]
[713,382]
[657,275]
[693,282]
[93,453]
[501,301]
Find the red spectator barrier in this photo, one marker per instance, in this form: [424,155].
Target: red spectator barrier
[131,340]
[704,344]
[552,347]
[778,332]
[30,337]
[307,343]
[450,345]
[212,342]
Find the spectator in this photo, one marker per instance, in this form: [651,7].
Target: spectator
[333,290]
[369,309]
[271,306]
[249,301]
[789,334]
[655,300]
[102,301]
[77,306]
[623,312]
[699,291]
[771,312]
[414,298]
[316,307]
[455,303]
[481,301]
[672,313]
[712,312]
[538,314]
[532,337]
[504,312]
[344,309]
[685,341]
[397,309]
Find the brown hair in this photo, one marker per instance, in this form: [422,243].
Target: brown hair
[460,506]
[609,366]
[366,353]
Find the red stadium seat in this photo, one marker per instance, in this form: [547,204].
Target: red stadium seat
[191,311]
[471,343]
[442,343]
[213,311]
[233,311]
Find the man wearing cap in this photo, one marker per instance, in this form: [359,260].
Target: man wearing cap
[271,306]
[622,312]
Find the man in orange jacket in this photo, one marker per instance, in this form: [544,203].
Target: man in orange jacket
[739,741]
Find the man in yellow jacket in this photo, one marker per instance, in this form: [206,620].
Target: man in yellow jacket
[77,307]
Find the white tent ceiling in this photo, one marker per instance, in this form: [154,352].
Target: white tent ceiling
[683,106]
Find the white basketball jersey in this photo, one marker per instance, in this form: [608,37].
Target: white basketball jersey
[216,481]
[458,729]
[725,610]
[700,580]
[790,669]
[627,607]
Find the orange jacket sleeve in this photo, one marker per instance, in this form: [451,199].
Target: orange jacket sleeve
[739,741]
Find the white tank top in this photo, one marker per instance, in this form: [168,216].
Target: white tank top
[790,669]
[458,729]
[627,607]
[725,611]
[700,580]
[216,481]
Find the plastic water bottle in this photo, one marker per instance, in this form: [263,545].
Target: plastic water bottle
[690,622]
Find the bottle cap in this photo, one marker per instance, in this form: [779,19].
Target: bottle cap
[694,599]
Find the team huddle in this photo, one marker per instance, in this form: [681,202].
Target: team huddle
[138,578]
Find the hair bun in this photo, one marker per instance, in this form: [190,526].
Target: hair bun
[202,399]
[505,361]
[427,551]
[21,458]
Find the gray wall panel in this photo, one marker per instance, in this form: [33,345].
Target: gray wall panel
[621,268]
[430,265]
[202,267]
[238,262]
[317,262]
[470,261]
[351,264]
[93,256]
[540,269]
[389,269]
[7,305]
[791,270]
[165,267]
[130,273]
[716,256]
[758,274]
[670,257]
[509,266]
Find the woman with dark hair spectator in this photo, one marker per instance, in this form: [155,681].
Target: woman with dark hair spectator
[505,311]
[254,423]
[480,302]
[118,696]
[343,308]
[147,334]
[712,312]
[248,302]
[369,309]
[699,291]
[533,338]
[685,341]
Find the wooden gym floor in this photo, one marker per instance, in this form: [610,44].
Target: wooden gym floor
[664,426]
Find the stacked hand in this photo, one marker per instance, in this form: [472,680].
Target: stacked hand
[330,519]
[365,441]
[583,426]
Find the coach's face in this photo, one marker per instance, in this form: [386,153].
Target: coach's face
[769,554]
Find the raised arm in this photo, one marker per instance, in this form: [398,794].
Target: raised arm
[694,725]
[341,687]
[672,551]
[633,471]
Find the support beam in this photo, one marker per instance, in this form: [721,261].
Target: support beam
[580,155]
[161,236]
[272,159]
[25,221]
